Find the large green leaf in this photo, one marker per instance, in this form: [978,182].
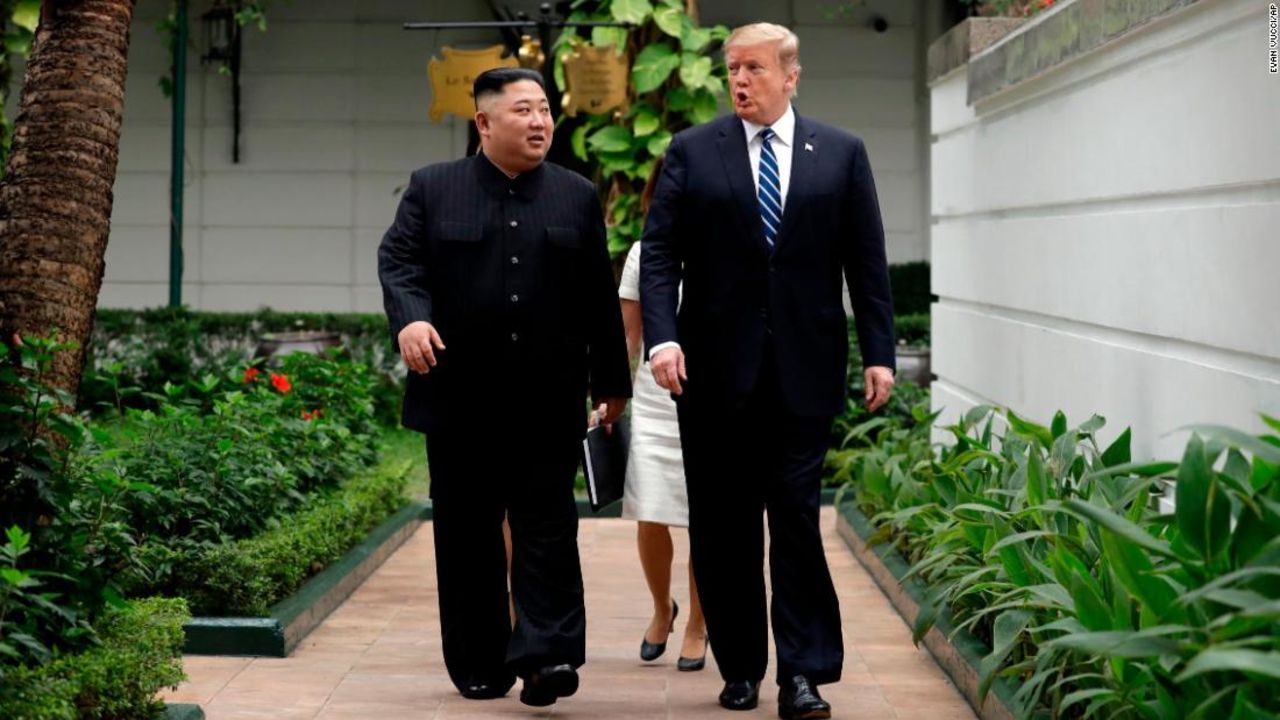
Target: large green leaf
[695,70]
[1121,644]
[1230,580]
[658,143]
[1252,662]
[1136,572]
[1252,533]
[704,108]
[1037,487]
[670,20]
[1202,512]
[646,122]
[578,141]
[1117,453]
[1009,625]
[694,38]
[1059,425]
[1120,526]
[610,139]
[1091,609]
[680,99]
[609,36]
[27,14]
[653,66]
[1030,430]
[1240,439]
[632,11]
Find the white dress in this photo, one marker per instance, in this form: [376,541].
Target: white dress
[654,490]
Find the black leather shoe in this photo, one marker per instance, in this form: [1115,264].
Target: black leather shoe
[688,664]
[798,700]
[549,684]
[652,651]
[478,689]
[740,695]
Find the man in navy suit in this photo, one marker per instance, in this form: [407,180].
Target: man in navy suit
[759,214]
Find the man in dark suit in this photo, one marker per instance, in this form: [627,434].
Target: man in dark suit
[758,214]
[500,295]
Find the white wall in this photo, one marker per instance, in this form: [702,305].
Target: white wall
[1105,235]
[334,105]
[334,113]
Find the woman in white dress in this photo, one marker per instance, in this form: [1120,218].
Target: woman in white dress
[655,494]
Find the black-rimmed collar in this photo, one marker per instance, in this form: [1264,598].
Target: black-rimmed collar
[497,182]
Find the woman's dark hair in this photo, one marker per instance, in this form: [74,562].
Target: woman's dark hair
[646,195]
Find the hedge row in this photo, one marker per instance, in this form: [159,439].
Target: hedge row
[140,653]
[247,577]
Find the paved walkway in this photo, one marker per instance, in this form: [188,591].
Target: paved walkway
[378,656]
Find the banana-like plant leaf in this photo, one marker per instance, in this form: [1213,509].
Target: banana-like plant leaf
[1250,662]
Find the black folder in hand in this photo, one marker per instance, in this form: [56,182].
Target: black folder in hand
[604,459]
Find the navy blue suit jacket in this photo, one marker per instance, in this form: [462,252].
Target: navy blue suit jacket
[704,228]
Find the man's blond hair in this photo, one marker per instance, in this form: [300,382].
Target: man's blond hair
[756,33]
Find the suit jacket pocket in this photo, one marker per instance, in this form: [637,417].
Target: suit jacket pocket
[460,232]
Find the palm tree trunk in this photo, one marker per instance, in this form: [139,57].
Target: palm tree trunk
[55,200]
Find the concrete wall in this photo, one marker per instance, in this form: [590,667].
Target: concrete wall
[335,99]
[1105,234]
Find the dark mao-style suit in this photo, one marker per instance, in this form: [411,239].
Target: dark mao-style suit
[515,276]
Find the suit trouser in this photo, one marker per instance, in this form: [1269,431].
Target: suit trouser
[740,462]
[527,476]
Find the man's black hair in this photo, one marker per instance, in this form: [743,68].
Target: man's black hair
[492,82]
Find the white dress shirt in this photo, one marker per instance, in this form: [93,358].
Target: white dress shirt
[783,143]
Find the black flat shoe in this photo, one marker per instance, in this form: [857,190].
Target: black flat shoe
[652,651]
[486,689]
[740,695]
[688,664]
[798,700]
[549,684]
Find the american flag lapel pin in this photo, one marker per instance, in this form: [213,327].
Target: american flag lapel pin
[808,147]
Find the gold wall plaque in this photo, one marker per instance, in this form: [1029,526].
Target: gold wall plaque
[595,79]
[451,79]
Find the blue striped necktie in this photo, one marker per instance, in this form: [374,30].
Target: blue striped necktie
[770,189]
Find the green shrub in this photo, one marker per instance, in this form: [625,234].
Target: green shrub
[206,477]
[912,330]
[140,653]
[134,353]
[1046,546]
[245,578]
[911,290]
[64,540]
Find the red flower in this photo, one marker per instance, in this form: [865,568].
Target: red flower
[251,374]
[313,415]
[280,382]
[1046,4]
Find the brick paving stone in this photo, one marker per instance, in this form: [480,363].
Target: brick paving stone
[377,656]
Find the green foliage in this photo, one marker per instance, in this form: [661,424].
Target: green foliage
[18,22]
[1046,546]
[227,465]
[140,653]
[133,354]
[675,83]
[63,542]
[247,12]
[911,289]
[246,577]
